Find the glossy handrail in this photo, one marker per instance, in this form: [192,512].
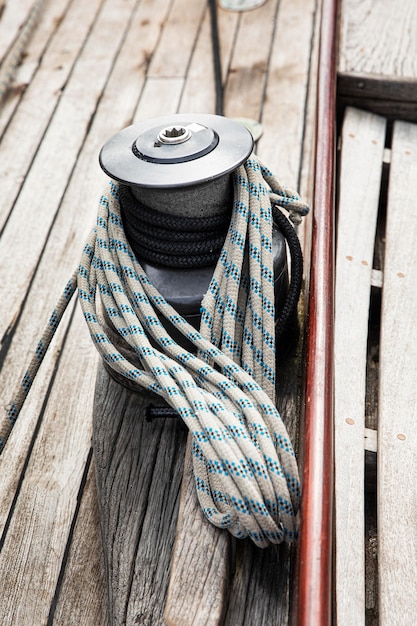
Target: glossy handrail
[313,592]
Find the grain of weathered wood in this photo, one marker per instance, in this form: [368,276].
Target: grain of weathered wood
[82,595]
[12,20]
[284,103]
[160,96]
[36,538]
[38,104]
[65,243]
[201,563]
[363,140]
[43,187]
[248,69]
[377,42]
[178,38]
[139,470]
[397,443]
[50,16]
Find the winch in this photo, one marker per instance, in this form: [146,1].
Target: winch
[176,193]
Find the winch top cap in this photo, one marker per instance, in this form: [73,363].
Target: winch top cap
[176,151]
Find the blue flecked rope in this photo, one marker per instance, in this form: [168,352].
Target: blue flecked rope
[245,468]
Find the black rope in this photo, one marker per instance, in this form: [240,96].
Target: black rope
[171,240]
[289,309]
[217,64]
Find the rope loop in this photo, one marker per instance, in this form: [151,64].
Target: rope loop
[245,468]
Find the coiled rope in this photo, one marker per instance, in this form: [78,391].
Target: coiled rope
[244,464]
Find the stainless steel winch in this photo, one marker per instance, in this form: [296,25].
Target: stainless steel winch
[180,167]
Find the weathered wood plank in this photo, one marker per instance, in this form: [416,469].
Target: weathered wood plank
[12,20]
[397,444]
[248,69]
[178,39]
[28,126]
[139,470]
[69,232]
[51,15]
[36,537]
[82,595]
[199,89]
[377,43]
[363,140]
[284,103]
[160,96]
[201,562]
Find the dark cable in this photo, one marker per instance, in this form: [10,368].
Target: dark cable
[172,241]
[296,280]
[217,63]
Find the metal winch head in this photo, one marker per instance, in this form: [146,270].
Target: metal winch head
[176,151]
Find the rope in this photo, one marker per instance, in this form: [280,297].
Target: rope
[245,468]
[171,240]
[12,59]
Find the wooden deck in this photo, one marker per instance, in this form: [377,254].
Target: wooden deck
[90,69]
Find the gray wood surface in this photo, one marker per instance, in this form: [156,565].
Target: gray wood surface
[78,84]
[377,54]
[397,443]
[362,149]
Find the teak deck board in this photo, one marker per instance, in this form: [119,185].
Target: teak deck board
[78,84]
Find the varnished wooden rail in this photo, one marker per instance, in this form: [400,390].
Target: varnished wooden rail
[313,593]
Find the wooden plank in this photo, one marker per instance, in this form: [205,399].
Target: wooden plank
[37,533]
[12,19]
[82,595]
[249,64]
[70,231]
[51,15]
[201,563]
[43,187]
[160,96]
[199,89]
[377,44]
[28,126]
[397,444]
[178,38]
[363,140]
[284,104]
[139,469]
